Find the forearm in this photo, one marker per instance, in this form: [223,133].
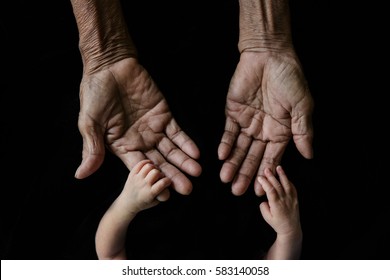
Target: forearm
[264,25]
[111,234]
[103,33]
[286,248]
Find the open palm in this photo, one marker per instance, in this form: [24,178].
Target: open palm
[121,108]
[268,103]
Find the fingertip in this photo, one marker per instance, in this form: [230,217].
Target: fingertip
[308,154]
[311,154]
[267,171]
[260,206]
[279,169]
[191,167]
[196,170]
[187,191]
[237,192]
[259,190]
[183,188]
[238,188]
[305,148]
[223,151]
[264,208]
[225,175]
[260,178]
[191,149]
[77,173]
[263,204]
[164,195]
[138,166]
[88,166]
[196,153]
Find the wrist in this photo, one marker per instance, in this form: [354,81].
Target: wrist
[264,25]
[295,236]
[97,55]
[103,33]
[264,43]
[126,208]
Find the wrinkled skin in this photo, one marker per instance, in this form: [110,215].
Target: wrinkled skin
[268,103]
[122,109]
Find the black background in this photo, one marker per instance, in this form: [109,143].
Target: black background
[190,49]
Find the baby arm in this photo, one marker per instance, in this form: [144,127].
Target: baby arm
[281,212]
[145,187]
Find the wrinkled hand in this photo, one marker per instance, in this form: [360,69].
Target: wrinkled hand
[121,108]
[268,103]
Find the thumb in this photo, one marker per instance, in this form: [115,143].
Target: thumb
[93,153]
[303,136]
[265,211]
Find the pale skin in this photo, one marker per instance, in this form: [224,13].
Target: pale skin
[281,212]
[145,182]
[122,109]
[141,191]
